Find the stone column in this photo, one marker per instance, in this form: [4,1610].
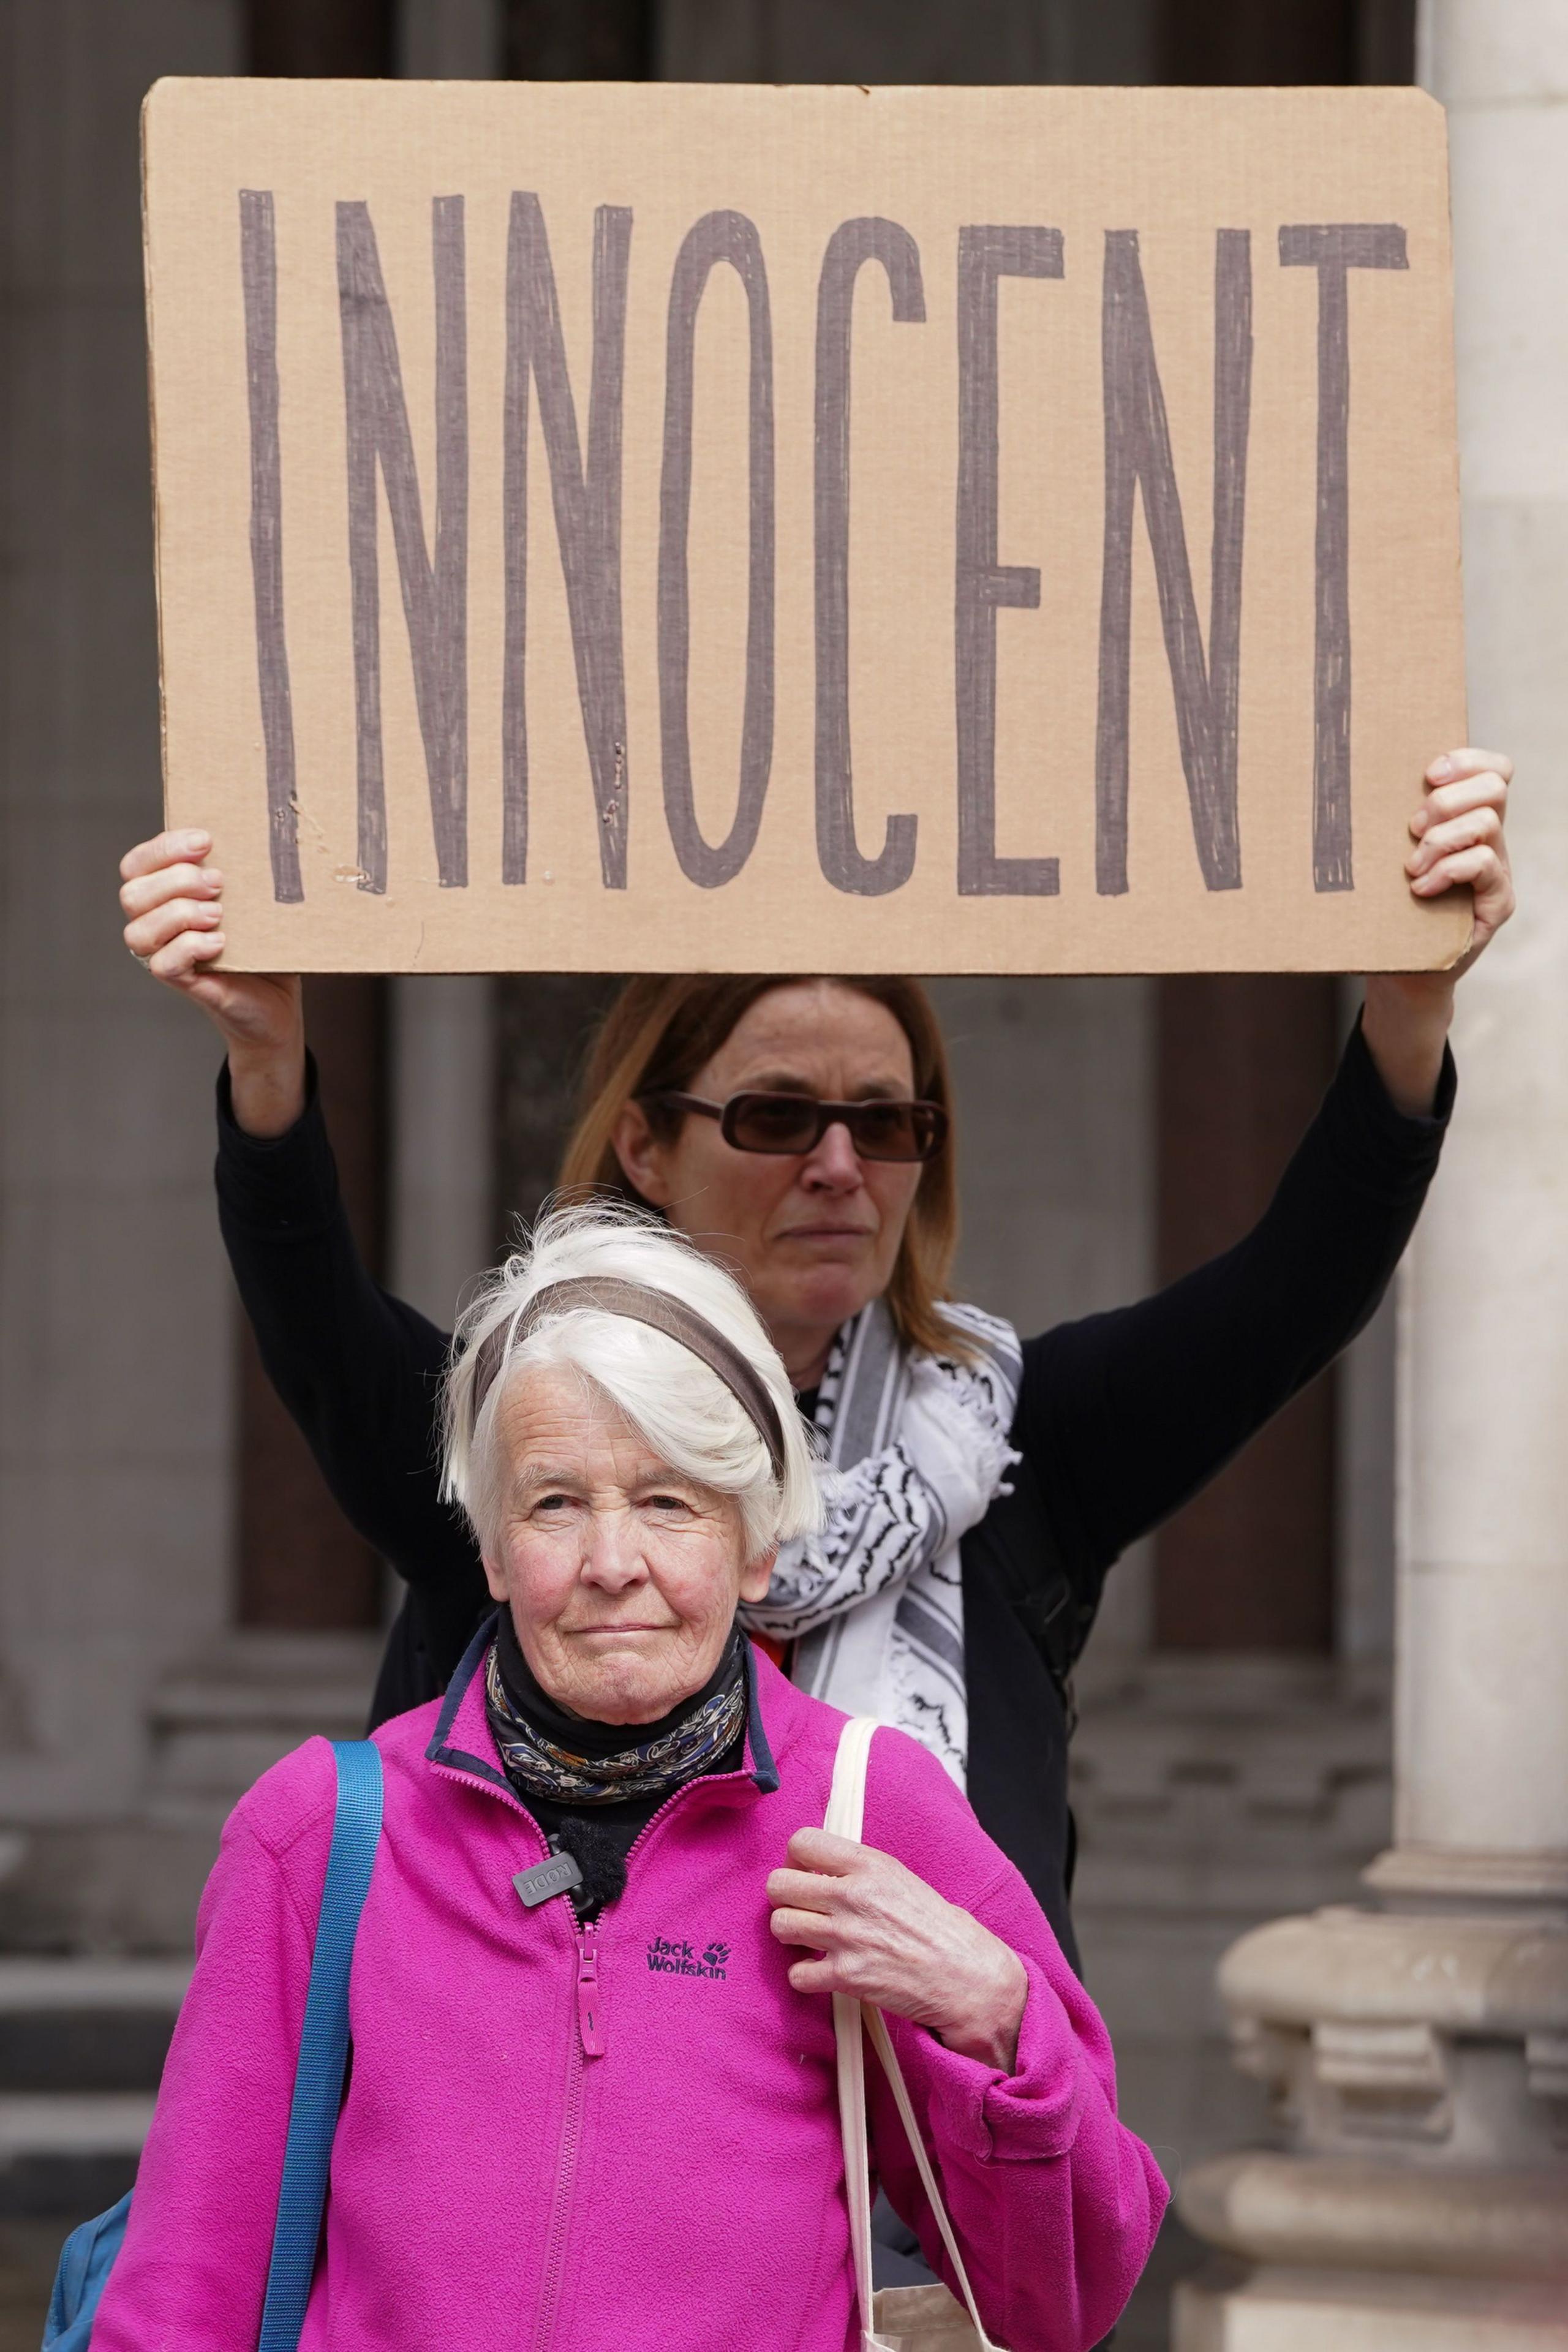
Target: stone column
[444,1222]
[114,1325]
[1418,2051]
[1483,1604]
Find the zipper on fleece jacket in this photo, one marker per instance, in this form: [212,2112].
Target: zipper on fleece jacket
[590,2030]
[587,2042]
[590,2017]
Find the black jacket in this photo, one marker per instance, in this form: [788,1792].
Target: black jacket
[1121,1417]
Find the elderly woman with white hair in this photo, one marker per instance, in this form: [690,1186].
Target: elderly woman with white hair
[592,2095]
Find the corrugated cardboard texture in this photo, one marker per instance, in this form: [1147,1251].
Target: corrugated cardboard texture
[654,528]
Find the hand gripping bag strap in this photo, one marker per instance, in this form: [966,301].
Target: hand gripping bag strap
[324,2046]
[844,1818]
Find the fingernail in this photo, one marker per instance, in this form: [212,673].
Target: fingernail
[1420,822]
[1440,768]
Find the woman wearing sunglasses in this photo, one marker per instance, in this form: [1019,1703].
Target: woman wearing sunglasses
[799,1129]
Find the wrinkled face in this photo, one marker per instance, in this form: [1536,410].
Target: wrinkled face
[814,1235]
[622,1576]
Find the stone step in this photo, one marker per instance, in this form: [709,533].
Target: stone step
[84,2027]
[82,2043]
[220,1722]
[68,2151]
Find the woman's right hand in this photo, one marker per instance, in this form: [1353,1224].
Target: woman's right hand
[876,1930]
[173,899]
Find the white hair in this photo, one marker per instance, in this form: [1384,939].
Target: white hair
[677,1404]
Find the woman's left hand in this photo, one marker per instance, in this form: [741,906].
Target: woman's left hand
[1459,839]
[882,1933]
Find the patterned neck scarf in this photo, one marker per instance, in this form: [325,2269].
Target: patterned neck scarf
[542,1766]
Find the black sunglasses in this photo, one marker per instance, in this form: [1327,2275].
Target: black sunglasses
[791,1124]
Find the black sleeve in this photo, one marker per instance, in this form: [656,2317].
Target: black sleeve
[357,1369]
[1127,1414]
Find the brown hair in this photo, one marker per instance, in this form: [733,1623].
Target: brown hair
[660,1031]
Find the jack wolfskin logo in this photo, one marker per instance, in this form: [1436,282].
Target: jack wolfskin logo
[668,1956]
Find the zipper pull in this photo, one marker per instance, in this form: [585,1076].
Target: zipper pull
[588,2013]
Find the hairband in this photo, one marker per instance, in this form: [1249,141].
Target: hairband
[662,1312]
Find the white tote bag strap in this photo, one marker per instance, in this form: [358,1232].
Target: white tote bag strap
[845,1808]
[845,1817]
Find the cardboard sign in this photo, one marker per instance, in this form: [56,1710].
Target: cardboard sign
[654,528]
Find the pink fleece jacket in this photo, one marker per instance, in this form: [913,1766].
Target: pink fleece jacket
[519,2167]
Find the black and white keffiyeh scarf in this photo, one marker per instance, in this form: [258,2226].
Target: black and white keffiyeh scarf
[875,1602]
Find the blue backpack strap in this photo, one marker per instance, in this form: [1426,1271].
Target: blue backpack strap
[86,2260]
[323,2045]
